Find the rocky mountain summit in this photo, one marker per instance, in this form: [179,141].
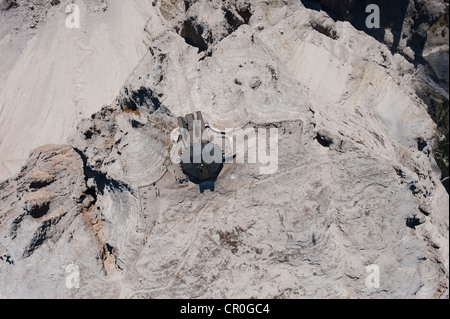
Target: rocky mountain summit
[98,212]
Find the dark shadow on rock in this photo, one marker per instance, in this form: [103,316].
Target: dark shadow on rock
[203,174]
[102,182]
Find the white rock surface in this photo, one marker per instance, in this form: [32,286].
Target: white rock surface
[52,76]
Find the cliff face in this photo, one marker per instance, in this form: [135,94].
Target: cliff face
[404,24]
[356,185]
[51,77]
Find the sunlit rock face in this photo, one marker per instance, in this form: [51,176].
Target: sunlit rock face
[99,211]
